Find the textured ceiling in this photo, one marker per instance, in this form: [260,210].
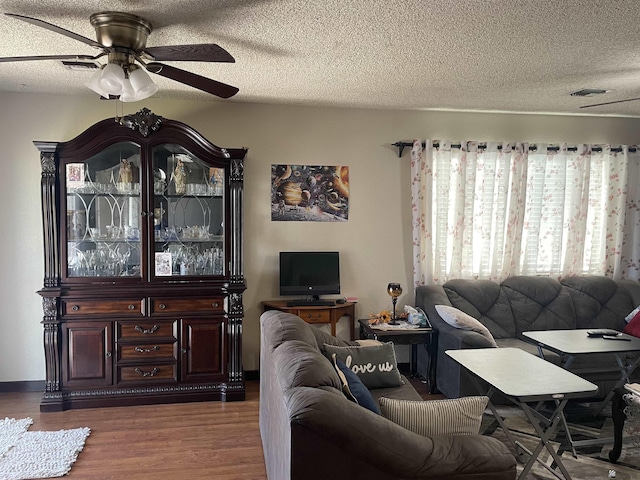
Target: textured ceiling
[488,55]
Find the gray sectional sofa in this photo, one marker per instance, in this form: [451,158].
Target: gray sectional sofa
[311,431]
[520,304]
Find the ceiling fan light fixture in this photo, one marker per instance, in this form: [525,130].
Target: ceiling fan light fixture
[128,94]
[142,84]
[112,79]
[94,84]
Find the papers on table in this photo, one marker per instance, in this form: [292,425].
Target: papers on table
[400,326]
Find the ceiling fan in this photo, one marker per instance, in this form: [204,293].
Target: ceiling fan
[122,37]
[610,103]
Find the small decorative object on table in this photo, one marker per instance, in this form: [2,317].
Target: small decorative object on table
[395,290]
[384,316]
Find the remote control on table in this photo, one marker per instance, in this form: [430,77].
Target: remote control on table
[611,337]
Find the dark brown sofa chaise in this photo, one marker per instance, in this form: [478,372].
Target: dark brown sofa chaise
[520,304]
[311,431]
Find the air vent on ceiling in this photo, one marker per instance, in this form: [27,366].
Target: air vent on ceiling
[588,92]
[82,66]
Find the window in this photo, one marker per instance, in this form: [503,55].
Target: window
[497,210]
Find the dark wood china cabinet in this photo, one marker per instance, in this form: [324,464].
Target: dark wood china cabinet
[143,279]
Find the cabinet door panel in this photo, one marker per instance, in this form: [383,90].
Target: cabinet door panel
[188,214]
[88,360]
[103,206]
[203,350]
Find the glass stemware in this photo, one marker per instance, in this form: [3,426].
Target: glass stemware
[394,290]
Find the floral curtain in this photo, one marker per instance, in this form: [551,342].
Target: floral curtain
[495,210]
[630,253]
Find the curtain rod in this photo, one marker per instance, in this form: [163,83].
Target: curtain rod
[401,146]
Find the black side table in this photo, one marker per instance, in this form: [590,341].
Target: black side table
[414,337]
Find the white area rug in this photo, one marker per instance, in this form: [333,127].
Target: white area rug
[26,455]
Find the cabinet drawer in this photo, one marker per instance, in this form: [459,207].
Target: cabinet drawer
[147,373]
[315,316]
[173,306]
[148,330]
[163,351]
[116,306]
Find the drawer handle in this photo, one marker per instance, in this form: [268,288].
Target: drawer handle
[147,374]
[75,308]
[215,304]
[162,306]
[155,348]
[183,351]
[132,307]
[108,354]
[147,331]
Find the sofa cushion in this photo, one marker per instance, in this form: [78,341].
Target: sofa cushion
[281,326]
[404,392]
[539,303]
[353,387]
[456,416]
[458,319]
[485,301]
[376,365]
[300,364]
[599,302]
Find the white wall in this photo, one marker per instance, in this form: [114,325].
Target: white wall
[375,244]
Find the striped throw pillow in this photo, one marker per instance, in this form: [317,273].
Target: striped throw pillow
[455,416]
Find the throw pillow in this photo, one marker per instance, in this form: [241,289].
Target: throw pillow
[375,365]
[633,313]
[353,388]
[455,416]
[633,327]
[459,319]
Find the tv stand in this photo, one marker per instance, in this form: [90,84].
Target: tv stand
[318,313]
[310,303]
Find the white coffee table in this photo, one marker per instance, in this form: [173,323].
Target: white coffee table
[570,344]
[527,381]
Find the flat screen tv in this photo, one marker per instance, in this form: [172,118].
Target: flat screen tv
[309,273]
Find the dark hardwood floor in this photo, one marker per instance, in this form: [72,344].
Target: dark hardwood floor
[174,441]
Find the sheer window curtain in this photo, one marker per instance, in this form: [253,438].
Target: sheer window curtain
[505,209]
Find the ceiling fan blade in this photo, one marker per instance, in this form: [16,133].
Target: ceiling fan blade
[205,52]
[609,103]
[196,81]
[56,29]
[49,57]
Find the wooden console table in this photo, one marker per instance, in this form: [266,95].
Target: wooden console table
[320,314]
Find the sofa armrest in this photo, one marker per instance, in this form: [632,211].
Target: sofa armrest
[452,380]
[327,426]
[456,338]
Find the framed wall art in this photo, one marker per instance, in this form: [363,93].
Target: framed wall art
[309,193]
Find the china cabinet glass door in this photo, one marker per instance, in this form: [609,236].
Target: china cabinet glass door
[103,205]
[188,214]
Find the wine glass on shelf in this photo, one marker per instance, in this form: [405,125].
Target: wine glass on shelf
[394,290]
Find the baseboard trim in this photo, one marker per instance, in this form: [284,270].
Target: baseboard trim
[38,385]
[26,386]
